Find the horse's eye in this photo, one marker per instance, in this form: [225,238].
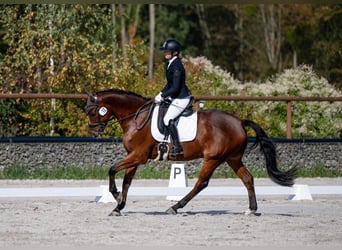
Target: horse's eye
[90,111]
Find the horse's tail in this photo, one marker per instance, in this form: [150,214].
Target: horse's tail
[268,148]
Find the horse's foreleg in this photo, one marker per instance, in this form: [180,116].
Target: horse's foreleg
[202,182]
[122,197]
[129,163]
[248,181]
[112,185]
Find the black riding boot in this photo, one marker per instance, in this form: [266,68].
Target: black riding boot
[176,147]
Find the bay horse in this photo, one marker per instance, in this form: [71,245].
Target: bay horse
[221,137]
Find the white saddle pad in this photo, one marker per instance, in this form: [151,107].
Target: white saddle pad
[187,127]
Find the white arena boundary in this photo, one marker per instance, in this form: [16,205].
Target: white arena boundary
[177,188]
[296,192]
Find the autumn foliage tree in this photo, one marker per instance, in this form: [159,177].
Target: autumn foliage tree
[62,49]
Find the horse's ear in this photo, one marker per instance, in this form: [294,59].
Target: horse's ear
[87,91]
[93,97]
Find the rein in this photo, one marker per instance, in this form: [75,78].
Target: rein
[140,110]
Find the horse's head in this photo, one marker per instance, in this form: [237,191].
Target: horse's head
[99,113]
[124,106]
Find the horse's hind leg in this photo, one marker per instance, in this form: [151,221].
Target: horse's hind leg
[203,180]
[247,180]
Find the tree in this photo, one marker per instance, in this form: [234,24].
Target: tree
[238,28]
[327,50]
[152,39]
[54,48]
[114,37]
[129,17]
[272,26]
[295,18]
[200,11]
[314,35]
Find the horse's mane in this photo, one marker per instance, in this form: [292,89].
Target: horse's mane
[122,92]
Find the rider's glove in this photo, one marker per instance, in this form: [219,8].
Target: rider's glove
[158,98]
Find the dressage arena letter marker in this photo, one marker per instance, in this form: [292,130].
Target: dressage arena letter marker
[301,192]
[178,179]
[105,196]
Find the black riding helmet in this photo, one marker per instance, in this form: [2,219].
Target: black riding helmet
[171,45]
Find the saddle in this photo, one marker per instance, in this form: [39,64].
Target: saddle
[163,107]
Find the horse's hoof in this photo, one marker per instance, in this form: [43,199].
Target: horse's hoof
[171,211]
[115,213]
[252,212]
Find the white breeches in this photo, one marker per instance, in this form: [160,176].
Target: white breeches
[176,108]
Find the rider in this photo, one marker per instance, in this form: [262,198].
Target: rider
[175,90]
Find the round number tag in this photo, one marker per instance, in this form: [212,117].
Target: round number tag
[102,111]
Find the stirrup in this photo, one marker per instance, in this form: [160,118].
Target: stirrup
[176,152]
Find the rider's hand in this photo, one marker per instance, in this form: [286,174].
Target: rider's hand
[158,98]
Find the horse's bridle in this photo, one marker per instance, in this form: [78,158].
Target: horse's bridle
[103,125]
[96,107]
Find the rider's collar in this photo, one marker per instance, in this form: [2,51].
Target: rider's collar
[171,60]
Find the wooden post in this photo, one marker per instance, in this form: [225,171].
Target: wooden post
[196,105]
[289,120]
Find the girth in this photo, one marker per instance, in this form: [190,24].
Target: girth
[163,107]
